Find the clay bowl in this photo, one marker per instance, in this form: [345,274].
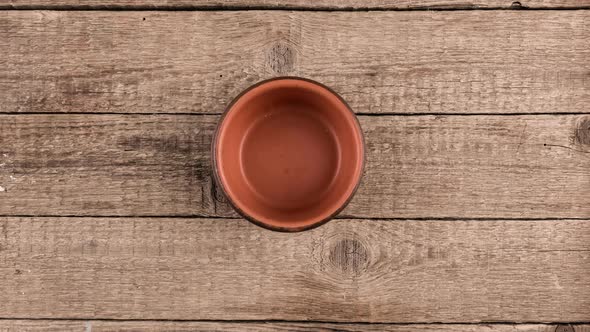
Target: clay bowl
[288,153]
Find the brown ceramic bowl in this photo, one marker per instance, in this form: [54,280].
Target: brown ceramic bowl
[288,154]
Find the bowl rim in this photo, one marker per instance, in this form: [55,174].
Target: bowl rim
[243,214]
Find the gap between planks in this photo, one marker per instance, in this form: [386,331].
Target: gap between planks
[293,5]
[340,217]
[356,113]
[130,325]
[257,321]
[295,9]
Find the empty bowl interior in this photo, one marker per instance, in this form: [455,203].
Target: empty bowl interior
[289,153]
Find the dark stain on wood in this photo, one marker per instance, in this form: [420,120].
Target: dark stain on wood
[182,149]
[217,193]
[280,58]
[349,255]
[199,170]
[582,132]
[437,253]
[169,144]
[4,231]
[218,198]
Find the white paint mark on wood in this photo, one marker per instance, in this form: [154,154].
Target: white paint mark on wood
[2,189]
[88,326]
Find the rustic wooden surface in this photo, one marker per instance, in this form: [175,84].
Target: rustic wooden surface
[295,4]
[150,326]
[348,270]
[417,166]
[473,214]
[380,62]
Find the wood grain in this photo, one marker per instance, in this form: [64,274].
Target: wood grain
[380,62]
[346,270]
[153,326]
[276,4]
[417,166]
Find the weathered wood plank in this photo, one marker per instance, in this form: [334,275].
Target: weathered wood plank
[417,166]
[149,326]
[346,270]
[381,62]
[318,4]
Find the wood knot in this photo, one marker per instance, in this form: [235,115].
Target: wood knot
[564,328]
[582,132]
[349,256]
[280,58]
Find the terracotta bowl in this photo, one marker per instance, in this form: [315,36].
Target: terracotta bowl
[288,153]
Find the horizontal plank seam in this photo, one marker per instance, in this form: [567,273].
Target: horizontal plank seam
[357,113]
[515,6]
[468,114]
[258,321]
[343,217]
[459,218]
[187,216]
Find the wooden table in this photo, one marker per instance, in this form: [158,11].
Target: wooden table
[473,213]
